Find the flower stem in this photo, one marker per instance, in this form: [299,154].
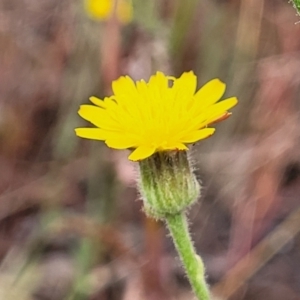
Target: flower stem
[192,263]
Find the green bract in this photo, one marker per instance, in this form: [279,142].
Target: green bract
[167,184]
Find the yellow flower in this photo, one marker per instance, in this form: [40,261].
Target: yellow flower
[103,9]
[162,115]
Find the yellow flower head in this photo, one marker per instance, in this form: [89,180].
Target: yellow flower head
[163,114]
[103,9]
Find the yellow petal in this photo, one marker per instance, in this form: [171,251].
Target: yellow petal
[210,93]
[210,114]
[176,146]
[91,133]
[101,134]
[98,9]
[97,102]
[185,85]
[181,146]
[142,87]
[124,89]
[221,118]
[103,9]
[98,117]
[120,143]
[92,114]
[220,108]
[158,81]
[182,94]
[198,135]
[141,152]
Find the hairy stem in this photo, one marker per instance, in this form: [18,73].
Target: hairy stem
[192,263]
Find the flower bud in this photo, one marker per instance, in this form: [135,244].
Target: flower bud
[167,183]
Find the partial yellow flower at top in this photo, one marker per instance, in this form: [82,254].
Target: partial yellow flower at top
[103,9]
[163,114]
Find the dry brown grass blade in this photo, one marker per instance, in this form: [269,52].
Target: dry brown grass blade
[258,257]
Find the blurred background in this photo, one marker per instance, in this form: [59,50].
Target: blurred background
[71,222]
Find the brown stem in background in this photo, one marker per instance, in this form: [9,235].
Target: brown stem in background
[151,270]
[110,51]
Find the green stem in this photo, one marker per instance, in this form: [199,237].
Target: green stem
[192,263]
